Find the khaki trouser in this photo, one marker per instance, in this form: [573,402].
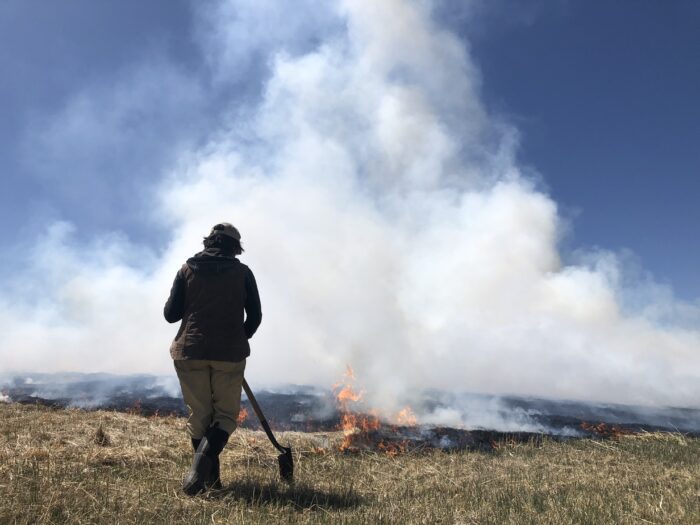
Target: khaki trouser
[212,393]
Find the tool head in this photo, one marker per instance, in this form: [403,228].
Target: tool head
[286,465]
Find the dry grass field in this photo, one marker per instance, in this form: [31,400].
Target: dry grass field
[57,466]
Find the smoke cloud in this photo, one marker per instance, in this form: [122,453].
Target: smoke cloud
[387,222]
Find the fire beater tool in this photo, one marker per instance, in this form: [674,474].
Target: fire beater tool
[285,458]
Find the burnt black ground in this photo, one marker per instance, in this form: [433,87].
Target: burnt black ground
[304,408]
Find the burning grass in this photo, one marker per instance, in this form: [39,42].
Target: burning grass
[366,431]
[72,466]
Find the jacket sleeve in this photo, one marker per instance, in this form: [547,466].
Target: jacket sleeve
[253,311]
[175,305]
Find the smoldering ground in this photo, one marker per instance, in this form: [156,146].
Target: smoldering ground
[387,221]
[312,409]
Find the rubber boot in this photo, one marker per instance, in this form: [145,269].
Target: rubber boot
[204,473]
[214,481]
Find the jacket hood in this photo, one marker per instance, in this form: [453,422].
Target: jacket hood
[211,261]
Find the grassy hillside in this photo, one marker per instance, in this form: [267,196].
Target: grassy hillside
[56,466]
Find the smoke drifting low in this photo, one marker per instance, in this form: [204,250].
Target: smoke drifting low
[389,227]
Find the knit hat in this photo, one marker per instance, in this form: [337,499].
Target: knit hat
[225,228]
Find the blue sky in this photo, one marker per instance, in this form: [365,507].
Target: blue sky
[604,95]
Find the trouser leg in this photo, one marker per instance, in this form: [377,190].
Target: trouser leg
[195,382]
[226,383]
[212,393]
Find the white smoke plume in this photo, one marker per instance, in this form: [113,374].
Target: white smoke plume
[387,223]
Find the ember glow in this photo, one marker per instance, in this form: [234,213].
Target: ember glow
[605,430]
[242,416]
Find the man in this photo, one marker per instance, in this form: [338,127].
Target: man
[211,292]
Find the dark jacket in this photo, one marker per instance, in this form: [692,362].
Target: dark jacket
[210,294]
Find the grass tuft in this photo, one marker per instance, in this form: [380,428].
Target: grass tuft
[101,438]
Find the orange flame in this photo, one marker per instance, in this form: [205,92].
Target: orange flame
[345,391]
[242,416]
[348,394]
[605,430]
[406,417]
[393,448]
[349,372]
[369,422]
[345,394]
[357,427]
